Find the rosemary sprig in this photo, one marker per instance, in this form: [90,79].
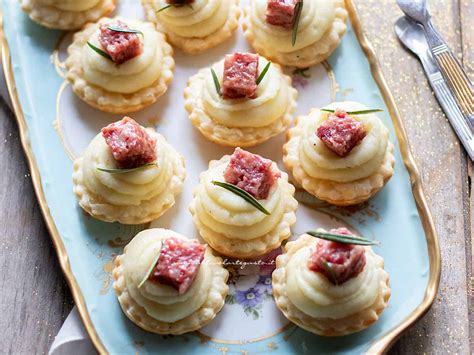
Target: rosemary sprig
[361,112]
[216,82]
[243,194]
[299,8]
[125,171]
[173,5]
[99,51]
[330,271]
[340,238]
[152,267]
[125,30]
[164,8]
[264,71]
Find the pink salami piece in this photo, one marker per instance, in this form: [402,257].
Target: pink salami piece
[281,13]
[341,133]
[130,143]
[339,262]
[179,2]
[251,173]
[240,76]
[178,263]
[121,46]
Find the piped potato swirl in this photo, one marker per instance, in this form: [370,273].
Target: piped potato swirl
[130,198]
[310,300]
[160,308]
[195,27]
[339,180]
[70,5]
[234,227]
[136,74]
[123,88]
[241,122]
[67,14]
[313,294]
[320,29]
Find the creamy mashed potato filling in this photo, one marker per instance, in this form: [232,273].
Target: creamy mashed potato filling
[319,162]
[316,19]
[226,213]
[70,5]
[201,19]
[162,302]
[135,74]
[313,294]
[130,189]
[271,102]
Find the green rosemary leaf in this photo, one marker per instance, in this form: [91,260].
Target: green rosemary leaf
[264,71]
[99,51]
[125,171]
[243,194]
[152,267]
[173,5]
[125,30]
[216,82]
[299,8]
[331,272]
[164,8]
[340,238]
[361,112]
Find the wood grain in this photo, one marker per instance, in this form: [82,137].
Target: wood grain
[35,298]
[443,165]
[466,12]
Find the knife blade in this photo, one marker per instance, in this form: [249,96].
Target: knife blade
[412,36]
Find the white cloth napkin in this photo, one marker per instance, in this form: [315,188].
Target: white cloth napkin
[72,338]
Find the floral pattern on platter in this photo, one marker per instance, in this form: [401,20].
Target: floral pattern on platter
[250,284]
[361,214]
[300,77]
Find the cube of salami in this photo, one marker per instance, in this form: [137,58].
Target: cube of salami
[179,2]
[337,261]
[130,143]
[240,76]
[251,173]
[178,263]
[121,46]
[341,133]
[281,12]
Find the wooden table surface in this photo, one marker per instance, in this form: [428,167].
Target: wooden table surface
[35,299]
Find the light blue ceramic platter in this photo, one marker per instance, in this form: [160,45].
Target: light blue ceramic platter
[59,126]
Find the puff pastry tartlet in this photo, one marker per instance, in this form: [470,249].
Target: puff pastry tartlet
[66,14]
[119,66]
[194,25]
[128,174]
[240,111]
[229,223]
[330,288]
[169,284]
[341,158]
[268,26]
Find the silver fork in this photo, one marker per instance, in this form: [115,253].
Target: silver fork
[412,36]
[447,62]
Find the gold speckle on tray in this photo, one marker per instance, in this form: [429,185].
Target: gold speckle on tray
[272,346]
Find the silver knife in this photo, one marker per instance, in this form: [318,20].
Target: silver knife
[452,71]
[412,36]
